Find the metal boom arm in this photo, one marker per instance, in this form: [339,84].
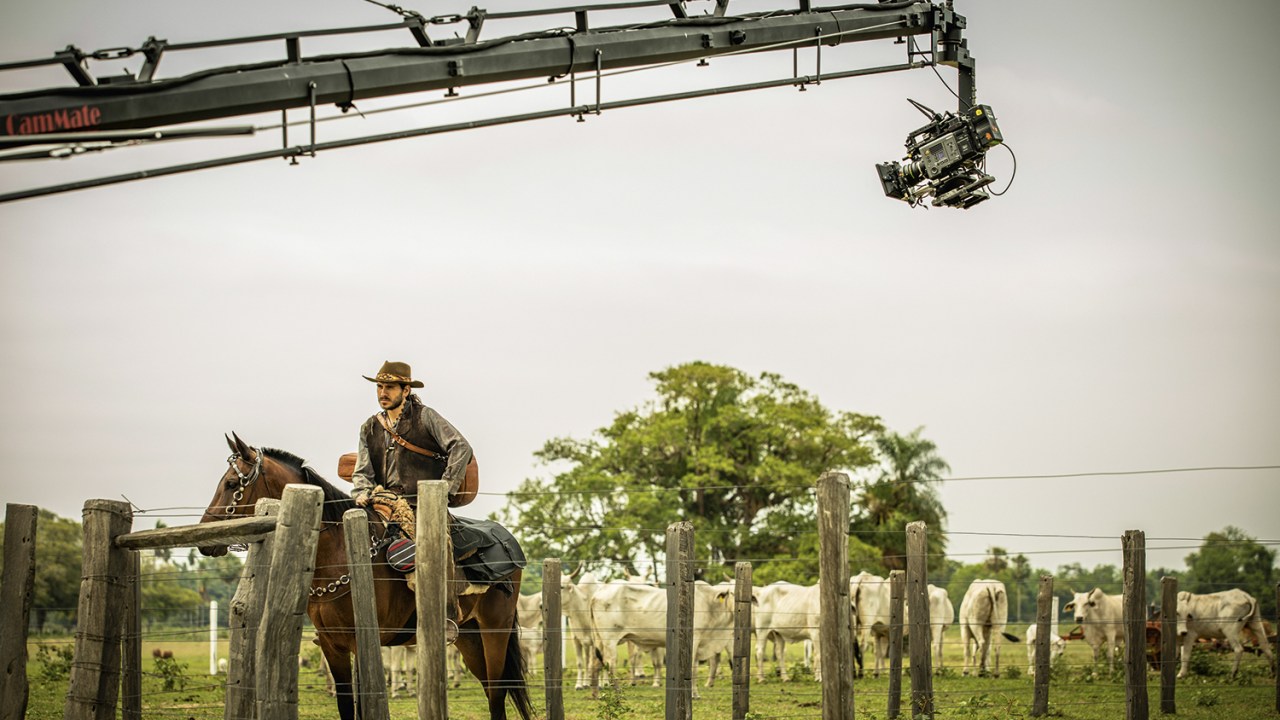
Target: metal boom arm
[342,79]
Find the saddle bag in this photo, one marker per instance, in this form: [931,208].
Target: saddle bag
[491,552]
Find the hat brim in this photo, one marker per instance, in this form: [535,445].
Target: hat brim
[412,383]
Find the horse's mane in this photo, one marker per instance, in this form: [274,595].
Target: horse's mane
[336,502]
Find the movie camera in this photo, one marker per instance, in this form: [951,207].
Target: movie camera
[945,159]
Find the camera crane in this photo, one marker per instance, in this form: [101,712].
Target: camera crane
[99,113]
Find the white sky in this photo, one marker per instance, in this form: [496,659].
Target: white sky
[1118,310]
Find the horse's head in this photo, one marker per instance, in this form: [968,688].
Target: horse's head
[251,475]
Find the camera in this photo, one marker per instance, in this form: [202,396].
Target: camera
[945,159]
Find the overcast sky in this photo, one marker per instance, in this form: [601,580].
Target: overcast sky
[1117,310]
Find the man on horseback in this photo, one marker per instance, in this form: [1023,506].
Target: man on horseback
[406,442]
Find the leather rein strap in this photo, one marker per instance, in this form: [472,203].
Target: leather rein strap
[382,418]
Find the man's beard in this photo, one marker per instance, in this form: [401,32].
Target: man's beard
[397,404]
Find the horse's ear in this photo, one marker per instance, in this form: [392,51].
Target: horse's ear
[242,448]
[230,444]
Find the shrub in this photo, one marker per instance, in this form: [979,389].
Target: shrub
[171,673]
[613,705]
[1204,663]
[55,661]
[1206,698]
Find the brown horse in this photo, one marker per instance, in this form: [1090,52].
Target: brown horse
[488,636]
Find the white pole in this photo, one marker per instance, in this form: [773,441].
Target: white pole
[1054,626]
[213,637]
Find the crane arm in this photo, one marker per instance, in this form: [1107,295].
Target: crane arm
[298,81]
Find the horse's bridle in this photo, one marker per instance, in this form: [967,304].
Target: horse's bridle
[245,480]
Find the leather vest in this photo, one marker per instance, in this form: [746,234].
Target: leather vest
[396,468]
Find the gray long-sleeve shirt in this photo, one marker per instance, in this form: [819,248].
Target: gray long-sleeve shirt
[381,461]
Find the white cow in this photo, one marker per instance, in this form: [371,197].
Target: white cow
[786,613]
[1102,618]
[941,616]
[870,597]
[984,612]
[1057,646]
[575,603]
[529,619]
[718,635]
[400,665]
[635,656]
[623,611]
[1220,616]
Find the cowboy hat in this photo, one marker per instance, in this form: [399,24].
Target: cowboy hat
[395,372]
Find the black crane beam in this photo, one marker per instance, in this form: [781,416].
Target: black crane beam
[342,79]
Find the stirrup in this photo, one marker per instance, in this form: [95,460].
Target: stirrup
[450,631]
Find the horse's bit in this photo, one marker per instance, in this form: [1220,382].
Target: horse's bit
[245,480]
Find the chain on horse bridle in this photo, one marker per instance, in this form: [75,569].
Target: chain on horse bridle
[245,480]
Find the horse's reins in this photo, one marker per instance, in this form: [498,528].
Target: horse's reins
[316,594]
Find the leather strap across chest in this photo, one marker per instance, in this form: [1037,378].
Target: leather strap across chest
[382,418]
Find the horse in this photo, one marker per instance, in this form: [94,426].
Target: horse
[488,634]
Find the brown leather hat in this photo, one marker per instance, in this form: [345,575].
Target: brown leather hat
[395,372]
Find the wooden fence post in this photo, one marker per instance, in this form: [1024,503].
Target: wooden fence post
[679,705]
[553,638]
[433,576]
[1044,631]
[1134,544]
[743,593]
[131,643]
[897,599]
[836,650]
[1168,644]
[95,674]
[371,694]
[243,618]
[293,561]
[918,609]
[17,588]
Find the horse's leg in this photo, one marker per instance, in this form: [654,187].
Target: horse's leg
[495,659]
[340,666]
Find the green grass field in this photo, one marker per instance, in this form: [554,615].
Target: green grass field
[1079,690]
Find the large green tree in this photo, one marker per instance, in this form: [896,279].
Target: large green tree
[905,491]
[736,455]
[1233,559]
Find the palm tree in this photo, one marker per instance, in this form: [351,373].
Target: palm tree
[904,492]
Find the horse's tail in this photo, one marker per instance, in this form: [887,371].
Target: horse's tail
[513,674]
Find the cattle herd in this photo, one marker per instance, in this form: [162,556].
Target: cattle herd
[601,616]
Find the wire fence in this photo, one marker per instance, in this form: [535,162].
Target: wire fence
[1076,673]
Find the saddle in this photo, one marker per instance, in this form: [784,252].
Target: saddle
[486,552]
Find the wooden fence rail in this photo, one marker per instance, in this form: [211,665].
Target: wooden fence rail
[680,665]
[17,588]
[897,607]
[918,609]
[371,697]
[244,616]
[1044,625]
[1134,545]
